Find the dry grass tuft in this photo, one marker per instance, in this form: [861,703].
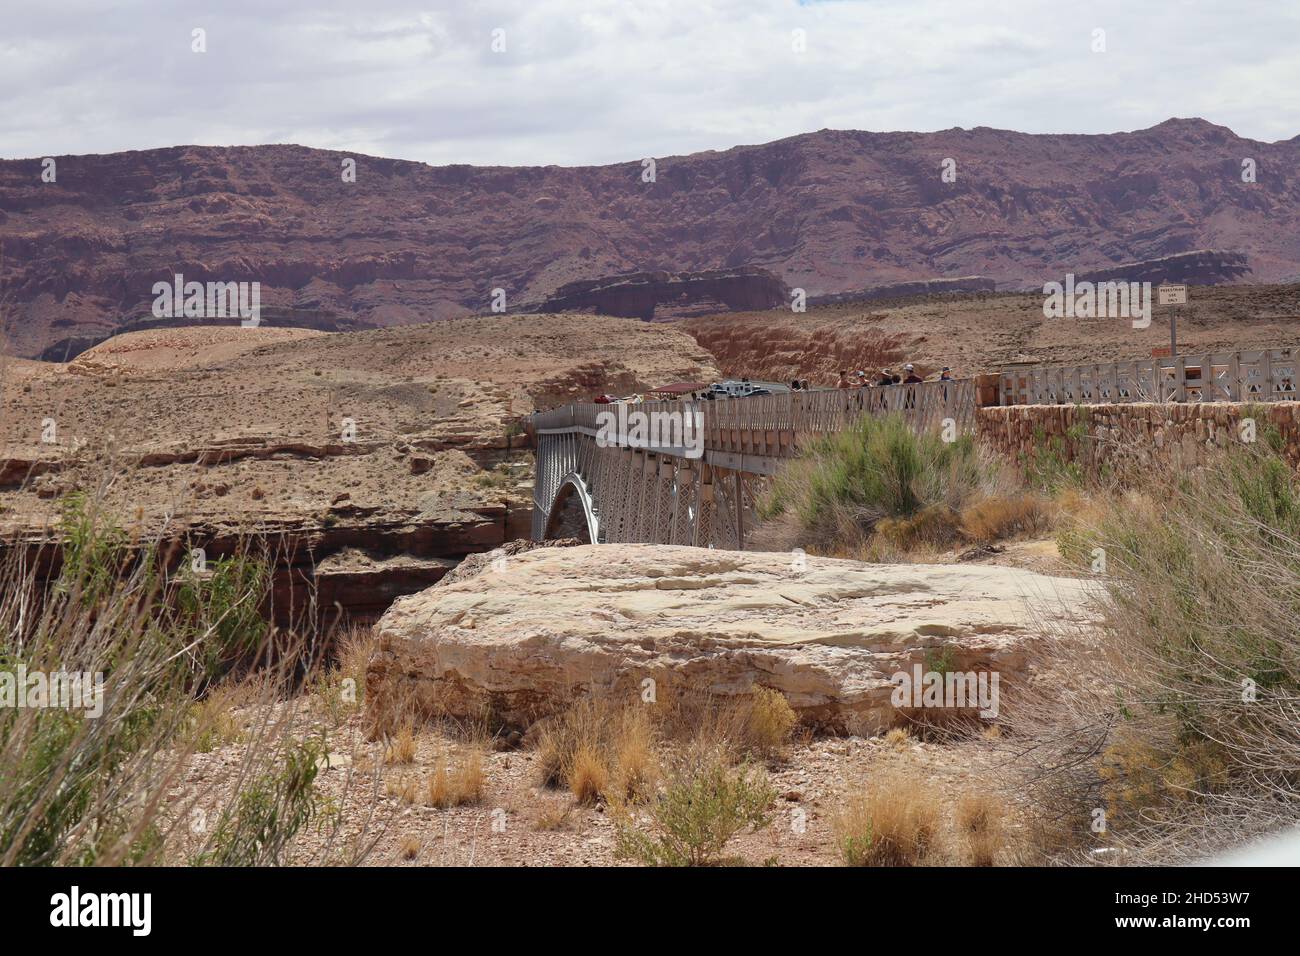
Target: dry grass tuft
[756,726]
[213,721]
[458,785]
[900,738]
[554,815]
[980,821]
[410,848]
[636,763]
[895,821]
[769,721]
[588,775]
[355,648]
[401,749]
[597,751]
[1001,517]
[583,726]
[404,788]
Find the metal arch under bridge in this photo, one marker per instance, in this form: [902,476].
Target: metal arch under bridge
[624,488]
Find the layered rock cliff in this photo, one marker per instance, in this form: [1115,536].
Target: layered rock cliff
[832,211]
[663,295]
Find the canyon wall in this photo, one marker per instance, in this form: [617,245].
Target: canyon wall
[666,295]
[831,211]
[1199,267]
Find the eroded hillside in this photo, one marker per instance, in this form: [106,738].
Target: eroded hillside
[379,458]
[982,332]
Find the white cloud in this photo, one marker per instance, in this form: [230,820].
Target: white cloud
[609,80]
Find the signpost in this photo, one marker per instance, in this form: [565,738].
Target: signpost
[1175,296]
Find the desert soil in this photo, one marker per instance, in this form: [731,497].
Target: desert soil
[548,827]
[982,332]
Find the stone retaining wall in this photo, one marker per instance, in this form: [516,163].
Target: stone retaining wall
[1132,435]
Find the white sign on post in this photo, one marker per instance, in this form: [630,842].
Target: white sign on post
[1171,295]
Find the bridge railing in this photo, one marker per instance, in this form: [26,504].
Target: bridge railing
[924,405]
[1268,375]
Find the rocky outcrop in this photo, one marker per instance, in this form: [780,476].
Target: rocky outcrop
[663,295]
[476,564]
[907,290]
[827,212]
[15,471]
[65,350]
[345,566]
[534,631]
[368,462]
[1202,267]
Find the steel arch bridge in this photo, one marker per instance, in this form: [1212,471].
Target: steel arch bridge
[606,483]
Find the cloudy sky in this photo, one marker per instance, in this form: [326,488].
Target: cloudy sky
[594,82]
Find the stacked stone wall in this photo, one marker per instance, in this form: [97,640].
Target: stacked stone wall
[1120,437]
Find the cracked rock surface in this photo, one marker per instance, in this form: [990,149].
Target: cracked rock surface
[531,632]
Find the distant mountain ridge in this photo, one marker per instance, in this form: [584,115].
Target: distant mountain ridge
[828,212]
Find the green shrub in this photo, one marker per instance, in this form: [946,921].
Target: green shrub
[1053,465]
[1195,687]
[268,814]
[704,805]
[769,722]
[94,551]
[501,477]
[77,782]
[58,764]
[880,470]
[222,611]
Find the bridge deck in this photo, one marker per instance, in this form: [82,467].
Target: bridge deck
[698,485]
[695,482]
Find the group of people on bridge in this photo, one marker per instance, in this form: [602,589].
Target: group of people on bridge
[860,379]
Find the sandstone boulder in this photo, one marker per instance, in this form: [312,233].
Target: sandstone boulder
[532,631]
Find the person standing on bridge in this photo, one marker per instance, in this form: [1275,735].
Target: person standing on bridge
[909,398]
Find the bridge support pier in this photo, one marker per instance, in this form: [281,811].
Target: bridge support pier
[739,491]
[683,489]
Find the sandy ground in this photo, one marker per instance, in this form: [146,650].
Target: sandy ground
[517,822]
